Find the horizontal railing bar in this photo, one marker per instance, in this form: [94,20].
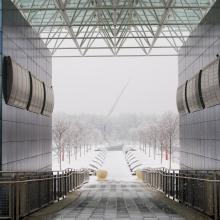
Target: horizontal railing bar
[196,188]
[113,8]
[35,180]
[107,47]
[191,178]
[48,187]
[112,37]
[107,56]
[43,172]
[111,24]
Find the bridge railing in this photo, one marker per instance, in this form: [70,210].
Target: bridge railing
[199,189]
[22,193]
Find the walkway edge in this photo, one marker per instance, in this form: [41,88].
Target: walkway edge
[54,207]
[186,212]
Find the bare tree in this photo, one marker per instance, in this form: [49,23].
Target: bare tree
[77,137]
[144,138]
[69,140]
[170,124]
[94,138]
[161,138]
[149,141]
[141,137]
[76,134]
[59,137]
[72,133]
[133,136]
[154,137]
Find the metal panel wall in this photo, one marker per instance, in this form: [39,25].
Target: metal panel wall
[26,136]
[193,93]
[200,130]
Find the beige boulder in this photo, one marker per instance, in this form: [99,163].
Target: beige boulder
[101,174]
[139,174]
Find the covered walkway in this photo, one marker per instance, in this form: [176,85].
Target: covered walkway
[116,200]
[121,196]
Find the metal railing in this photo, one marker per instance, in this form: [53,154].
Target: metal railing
[199,189]
[22,193]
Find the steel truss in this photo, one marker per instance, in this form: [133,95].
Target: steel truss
[113,27]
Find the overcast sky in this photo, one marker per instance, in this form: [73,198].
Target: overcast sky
[91,85]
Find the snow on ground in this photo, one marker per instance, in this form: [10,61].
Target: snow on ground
[115,163]
[150,161]
[81,162]
[154,163]
[117,167]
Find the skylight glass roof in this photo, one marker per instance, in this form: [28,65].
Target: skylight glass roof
[113,27]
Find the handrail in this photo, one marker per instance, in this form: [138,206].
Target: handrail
[196,188]
[43,172]
[34,180]
[22,193]
[191,178]
[188,170]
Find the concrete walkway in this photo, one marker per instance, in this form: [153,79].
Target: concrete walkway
[121,197]
[116,200]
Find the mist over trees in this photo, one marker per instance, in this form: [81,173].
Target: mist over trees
[75,135]
[158,134]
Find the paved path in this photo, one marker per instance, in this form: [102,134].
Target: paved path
[117,167]
[116,200]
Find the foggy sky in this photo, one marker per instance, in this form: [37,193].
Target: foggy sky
[91,85]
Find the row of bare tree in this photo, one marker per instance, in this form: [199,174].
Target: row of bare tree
[157,133]
[72,137]
[75,134]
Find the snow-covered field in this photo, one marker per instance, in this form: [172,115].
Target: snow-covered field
[150,161]
[114,163]
[81,162]
[154,163]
